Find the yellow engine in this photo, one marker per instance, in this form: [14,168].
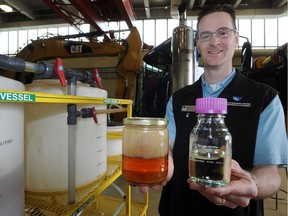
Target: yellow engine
[126,53]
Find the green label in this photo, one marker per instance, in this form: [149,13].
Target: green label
[111,101]
[9,96]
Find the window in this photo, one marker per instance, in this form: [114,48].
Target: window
[262,33]
[258,33]
[63,30]
[271,33]
[161,31]
[244,28]
[32,34]
[4,43]
[172,23]
[139,25]
[282,30]
[22,39]
[123,26]
[149,32]
[13,41]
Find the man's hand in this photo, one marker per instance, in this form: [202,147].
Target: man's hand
[240,190]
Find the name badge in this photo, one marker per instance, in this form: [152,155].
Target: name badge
[188,108]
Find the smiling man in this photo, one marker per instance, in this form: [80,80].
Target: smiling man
[255,120]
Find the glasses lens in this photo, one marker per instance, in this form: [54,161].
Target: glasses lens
[205,36]
[223,33]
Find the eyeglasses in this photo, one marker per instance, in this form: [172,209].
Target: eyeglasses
[221,33]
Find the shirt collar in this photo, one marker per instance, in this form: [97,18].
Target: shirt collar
[209,91]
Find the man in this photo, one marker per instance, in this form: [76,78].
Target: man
[255,119]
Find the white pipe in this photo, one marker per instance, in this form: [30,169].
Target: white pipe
[118,210]
[119,190]
[71,153]
[71,164]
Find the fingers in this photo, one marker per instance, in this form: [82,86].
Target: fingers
[235,165]
[225,202]
[143,189]
[233,197]
[222,202]
[156,187]
[194,186]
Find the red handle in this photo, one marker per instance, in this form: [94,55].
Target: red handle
[97,78]
[93,114]
[58,68]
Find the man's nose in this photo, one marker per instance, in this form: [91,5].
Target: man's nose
[214,39]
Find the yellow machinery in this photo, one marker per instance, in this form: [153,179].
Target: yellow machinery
[127,51]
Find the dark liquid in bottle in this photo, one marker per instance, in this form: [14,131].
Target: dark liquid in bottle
[144,171]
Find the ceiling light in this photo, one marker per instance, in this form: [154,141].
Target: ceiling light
[6,8]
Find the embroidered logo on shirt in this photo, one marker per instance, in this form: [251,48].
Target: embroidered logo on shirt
[237,98]
[237,102]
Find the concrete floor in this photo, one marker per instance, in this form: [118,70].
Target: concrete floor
[270,203]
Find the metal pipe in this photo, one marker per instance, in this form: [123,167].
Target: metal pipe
[183,62]
[43,70]
[15,64]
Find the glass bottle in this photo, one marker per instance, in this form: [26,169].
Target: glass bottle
[210,146]
[145,150]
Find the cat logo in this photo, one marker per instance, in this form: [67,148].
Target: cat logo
[76,49]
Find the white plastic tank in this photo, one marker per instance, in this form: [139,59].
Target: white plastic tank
[11,150]
[114,145]
[46,140]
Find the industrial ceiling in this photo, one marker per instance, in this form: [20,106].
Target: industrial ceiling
[98,12]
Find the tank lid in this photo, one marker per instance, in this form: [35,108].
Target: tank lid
[145,121]
[211,105]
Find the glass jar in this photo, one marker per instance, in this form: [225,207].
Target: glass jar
[210,148]
[145,150]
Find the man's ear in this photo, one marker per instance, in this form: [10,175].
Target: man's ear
[237,39]
[196,44]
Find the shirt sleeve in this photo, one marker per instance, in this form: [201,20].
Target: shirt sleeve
[271,143]
[171,121]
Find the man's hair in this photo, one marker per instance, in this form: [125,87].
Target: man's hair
[218,8]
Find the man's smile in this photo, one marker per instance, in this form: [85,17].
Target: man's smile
[215,51]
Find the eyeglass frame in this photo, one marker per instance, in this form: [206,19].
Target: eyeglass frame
[217,33]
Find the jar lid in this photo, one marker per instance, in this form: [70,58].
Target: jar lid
[211,105]
[145,121]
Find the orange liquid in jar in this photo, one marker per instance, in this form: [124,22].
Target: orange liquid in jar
[144,171]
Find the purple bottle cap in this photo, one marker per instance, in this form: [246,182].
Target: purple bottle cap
[211,105]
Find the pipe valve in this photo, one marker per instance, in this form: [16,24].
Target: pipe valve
[88,113]
[97,78]
[59,70]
